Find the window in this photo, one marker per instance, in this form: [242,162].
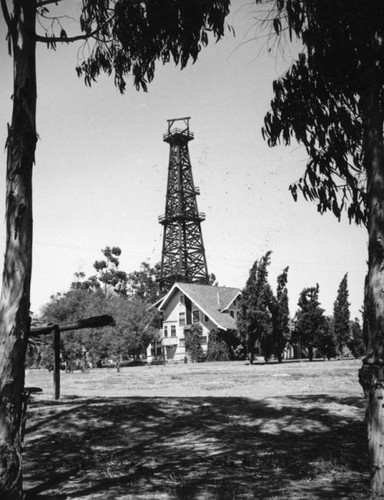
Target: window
[181,318]
[165,331]
[181,299]
[203,340]
[206,319]
[173,330]
[182,342]
[195,316]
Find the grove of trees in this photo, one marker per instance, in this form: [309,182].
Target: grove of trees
[263,316]
[264,320]
[109,291]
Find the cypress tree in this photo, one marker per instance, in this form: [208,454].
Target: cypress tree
[341,315]
[309,322]
[281,330]
[255,320]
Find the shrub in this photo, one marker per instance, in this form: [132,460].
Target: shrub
[218,349]
[193,343]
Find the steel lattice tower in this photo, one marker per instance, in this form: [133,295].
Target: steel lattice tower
[183,255]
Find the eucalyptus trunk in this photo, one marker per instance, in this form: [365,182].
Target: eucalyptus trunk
[372,372]
[15,294]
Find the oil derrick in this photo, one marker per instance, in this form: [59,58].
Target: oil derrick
[183,255]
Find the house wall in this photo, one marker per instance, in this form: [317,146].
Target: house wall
[173,339]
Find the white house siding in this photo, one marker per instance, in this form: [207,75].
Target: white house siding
[173,346]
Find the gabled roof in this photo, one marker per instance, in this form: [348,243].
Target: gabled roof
[211,300]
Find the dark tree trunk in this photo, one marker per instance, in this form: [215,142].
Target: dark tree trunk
[372,372]
[15,294]
[310,353]
[251,347]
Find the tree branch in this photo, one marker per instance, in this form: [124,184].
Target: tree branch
[70,39]
[58,39]
[46,2]
[7,17]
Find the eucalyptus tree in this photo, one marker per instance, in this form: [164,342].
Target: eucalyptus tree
[331,101]
[124,37]
[143,283]
[109,276]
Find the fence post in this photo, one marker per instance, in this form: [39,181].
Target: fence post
[56,363]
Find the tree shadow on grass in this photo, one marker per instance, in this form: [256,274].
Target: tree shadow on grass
[196,448]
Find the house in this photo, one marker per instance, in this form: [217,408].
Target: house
[189,303]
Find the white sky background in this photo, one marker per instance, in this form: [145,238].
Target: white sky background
[101,171]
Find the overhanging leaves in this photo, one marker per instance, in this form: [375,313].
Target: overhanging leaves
[319,100]
[132,35]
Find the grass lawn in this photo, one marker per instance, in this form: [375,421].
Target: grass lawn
[199,431]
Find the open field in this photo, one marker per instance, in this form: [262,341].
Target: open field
[199,431]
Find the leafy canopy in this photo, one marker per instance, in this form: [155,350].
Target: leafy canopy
[320,100]
[128,37]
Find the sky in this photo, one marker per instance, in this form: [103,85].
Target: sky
[101,171]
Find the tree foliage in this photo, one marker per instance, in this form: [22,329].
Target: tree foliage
[132,36]
[221,345]
[108,273]
[356,342]
[326,339]
[193,339]
[341,315]
[318,100]
[143,283]
[129,337]
[255,320]
[264,317]
[309,322]
[280,314]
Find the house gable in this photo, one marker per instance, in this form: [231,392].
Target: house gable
[189,303]
[213,301]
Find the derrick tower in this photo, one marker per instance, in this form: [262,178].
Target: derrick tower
[183,255]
